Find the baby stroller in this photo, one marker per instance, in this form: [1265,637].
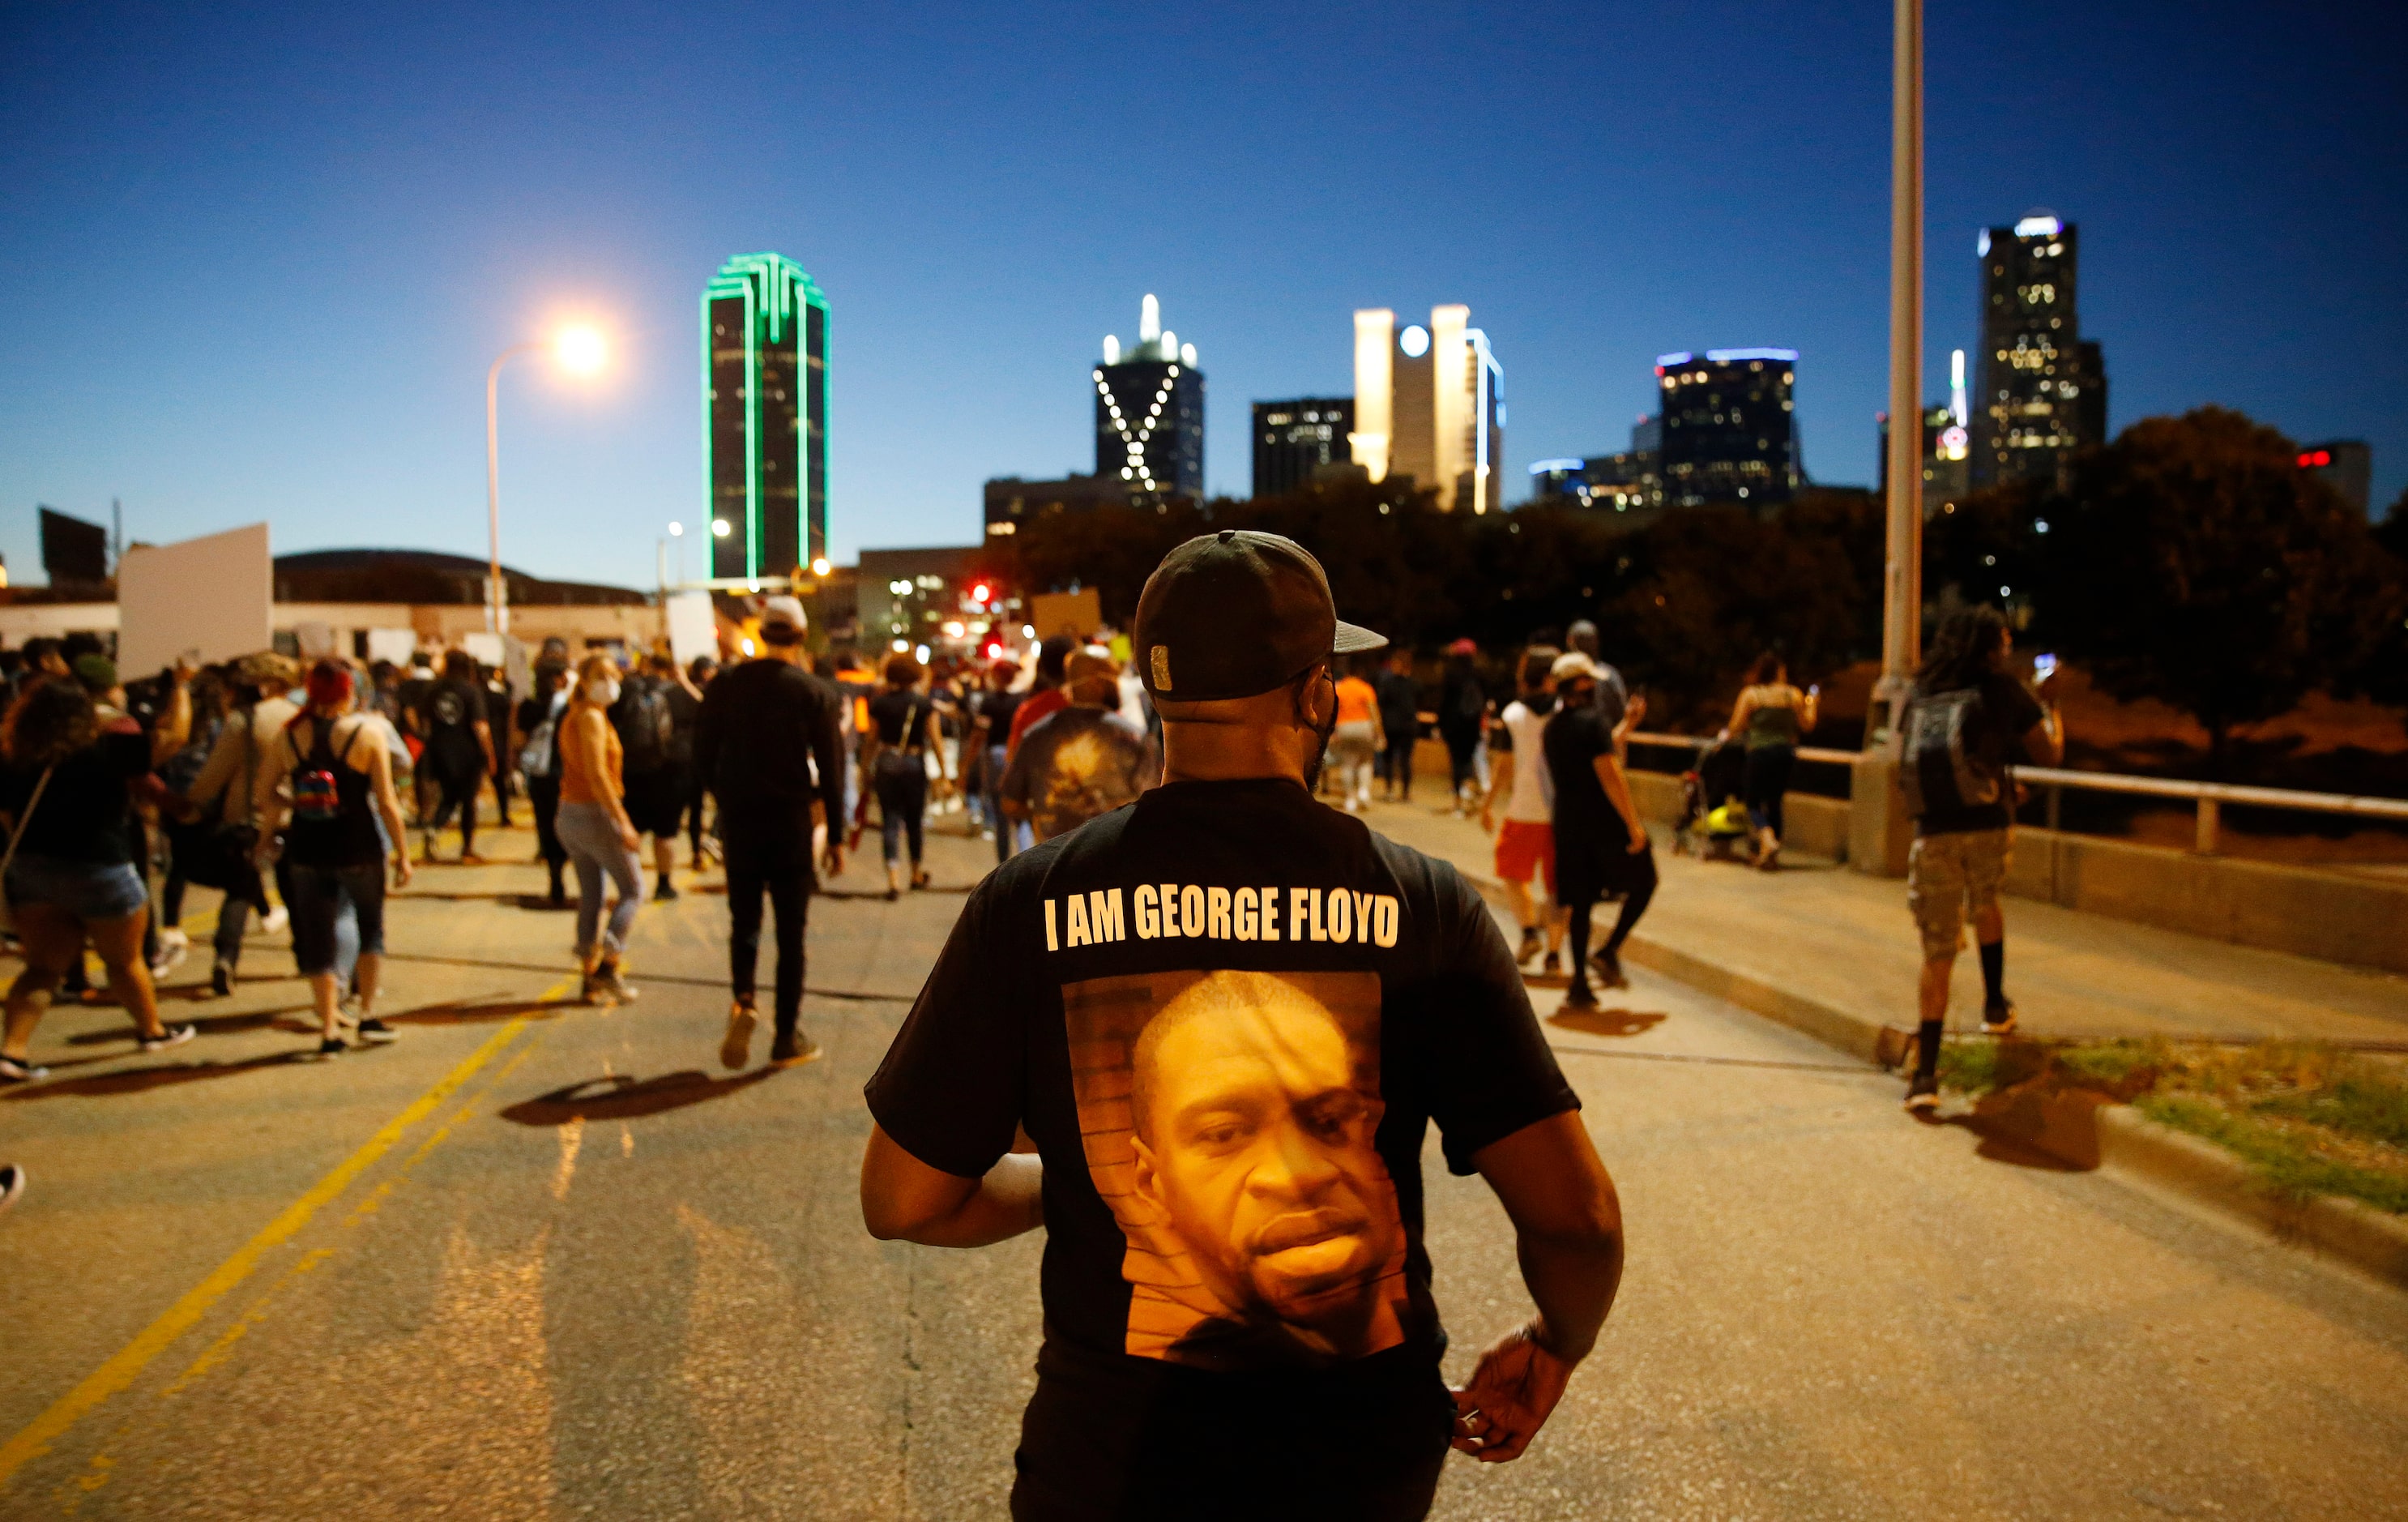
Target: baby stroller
[1713,821]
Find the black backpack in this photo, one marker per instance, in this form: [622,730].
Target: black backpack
[1945,762]
[646,726]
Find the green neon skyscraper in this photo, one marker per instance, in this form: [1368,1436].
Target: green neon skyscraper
[764,417]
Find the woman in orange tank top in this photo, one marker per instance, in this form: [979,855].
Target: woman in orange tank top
[592,826]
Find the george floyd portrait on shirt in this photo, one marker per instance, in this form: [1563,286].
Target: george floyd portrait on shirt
[1229,1121]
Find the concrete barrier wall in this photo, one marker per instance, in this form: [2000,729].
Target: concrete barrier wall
[2332,917]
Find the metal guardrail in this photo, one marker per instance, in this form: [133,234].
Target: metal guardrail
[2209,798]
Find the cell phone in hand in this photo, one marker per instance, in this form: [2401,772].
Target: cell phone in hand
[2044,668]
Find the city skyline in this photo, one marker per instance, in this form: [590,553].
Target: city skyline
[454,189]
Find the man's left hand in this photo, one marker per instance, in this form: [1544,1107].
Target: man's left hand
[1512,1393]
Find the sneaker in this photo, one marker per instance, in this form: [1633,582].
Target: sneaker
[221,981]
[736,1047]
[274,920]
[1553,964]
[20,1070]
[666,891]
[1608,969]
[791,1050]
[1579,996]
[169,1036]
[328,1048]
[1998,1019]
[174,937]
[1923,1093]
[171,956]
[605,982]
[12,1182]
[1532,943]
[377,1033]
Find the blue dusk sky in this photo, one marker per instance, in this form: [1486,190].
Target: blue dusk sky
[256,259]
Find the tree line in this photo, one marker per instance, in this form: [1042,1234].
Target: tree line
[2188,561]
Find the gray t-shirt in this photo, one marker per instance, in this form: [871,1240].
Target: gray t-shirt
[1076,764]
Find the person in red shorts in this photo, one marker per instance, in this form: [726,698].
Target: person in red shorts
[1526,842]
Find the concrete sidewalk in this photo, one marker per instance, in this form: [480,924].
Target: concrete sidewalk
[1834,951]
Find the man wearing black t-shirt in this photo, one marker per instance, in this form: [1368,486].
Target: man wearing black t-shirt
[1226,1015]
[766,746]
[1963,728]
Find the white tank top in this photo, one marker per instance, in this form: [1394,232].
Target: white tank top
[1533,798]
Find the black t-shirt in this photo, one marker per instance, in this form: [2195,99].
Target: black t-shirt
[1994,742]
[685,711]
[448,715]
[86,812]
[1226,1014]
[1573,739]
[901,719]
[997,709]
[1400,699]
[766,745]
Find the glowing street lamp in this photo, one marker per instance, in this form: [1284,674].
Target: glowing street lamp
[577,349]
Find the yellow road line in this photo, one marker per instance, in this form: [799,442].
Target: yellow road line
[216,1351]
[120,1371]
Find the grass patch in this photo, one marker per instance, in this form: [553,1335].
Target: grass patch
[2310,1119]
[2291,1159]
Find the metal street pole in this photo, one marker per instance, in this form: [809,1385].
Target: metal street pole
[497,613]
[1878,826]
[1902,586]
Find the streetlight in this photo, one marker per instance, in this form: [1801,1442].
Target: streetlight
[677,532]
[580,351]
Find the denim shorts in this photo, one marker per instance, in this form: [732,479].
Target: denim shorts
[89,890]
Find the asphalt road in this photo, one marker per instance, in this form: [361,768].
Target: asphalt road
[538,1260]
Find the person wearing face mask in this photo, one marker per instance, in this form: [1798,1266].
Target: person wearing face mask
[1226,1015]
[593,825]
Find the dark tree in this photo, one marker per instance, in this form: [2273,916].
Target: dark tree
[2382,675]
[1995,538]
[1709,589]
[2192,561]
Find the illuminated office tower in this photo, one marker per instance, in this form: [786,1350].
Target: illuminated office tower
[2041,391]
[1429,404]
[1150,413]
[1728,426]
[765,417]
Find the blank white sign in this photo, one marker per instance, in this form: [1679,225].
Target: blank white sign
[204,600]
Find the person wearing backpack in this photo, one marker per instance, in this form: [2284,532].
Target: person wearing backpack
[330,779]
[450,721]
[1965,724]
[537,742]
[657,778]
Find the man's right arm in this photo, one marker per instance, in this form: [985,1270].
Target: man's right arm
[903,1198]
[1568,1236]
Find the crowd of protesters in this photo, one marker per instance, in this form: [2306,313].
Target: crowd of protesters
[282,789]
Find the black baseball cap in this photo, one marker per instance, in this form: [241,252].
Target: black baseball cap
[1236,613]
